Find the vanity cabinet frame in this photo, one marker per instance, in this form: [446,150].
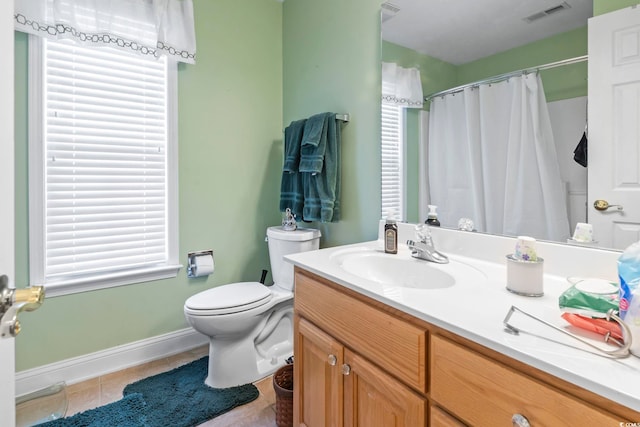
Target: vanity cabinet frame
[389,352]
[345,389]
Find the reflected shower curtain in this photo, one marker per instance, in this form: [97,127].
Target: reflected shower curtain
[492,158]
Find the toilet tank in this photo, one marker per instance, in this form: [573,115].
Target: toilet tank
[283,243]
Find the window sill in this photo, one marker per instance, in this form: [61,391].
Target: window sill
[113,280]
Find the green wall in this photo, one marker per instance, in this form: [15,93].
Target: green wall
[230,154]
[560,83]
[331,62]
[601,7]
[564,82]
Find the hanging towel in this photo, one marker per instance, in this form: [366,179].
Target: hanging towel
[314,143]
[322,187]
[580,153]
[291,190]
[292,141]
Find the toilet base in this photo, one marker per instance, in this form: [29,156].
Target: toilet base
[235,361]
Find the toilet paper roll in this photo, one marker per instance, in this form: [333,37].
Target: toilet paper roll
[202,265]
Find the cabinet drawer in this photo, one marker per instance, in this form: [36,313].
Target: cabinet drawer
[483,392]
[391,343]
[439,418]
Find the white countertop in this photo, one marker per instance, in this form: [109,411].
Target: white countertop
[476,311]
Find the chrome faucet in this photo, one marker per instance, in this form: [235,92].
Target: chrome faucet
[424,248]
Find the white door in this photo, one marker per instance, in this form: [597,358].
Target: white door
[614,134]
[7,256]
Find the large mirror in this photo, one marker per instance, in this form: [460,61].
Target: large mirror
[454,43]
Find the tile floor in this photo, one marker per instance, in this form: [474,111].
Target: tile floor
[108,388]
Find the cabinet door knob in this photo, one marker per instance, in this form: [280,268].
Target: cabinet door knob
[346,369]
[519,420]
[332,359]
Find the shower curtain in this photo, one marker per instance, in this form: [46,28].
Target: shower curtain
[492,158]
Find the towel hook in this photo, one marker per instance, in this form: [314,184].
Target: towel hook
[618,353]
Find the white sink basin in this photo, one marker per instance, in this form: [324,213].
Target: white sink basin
[402,270]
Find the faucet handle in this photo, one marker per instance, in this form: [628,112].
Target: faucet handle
[423,234]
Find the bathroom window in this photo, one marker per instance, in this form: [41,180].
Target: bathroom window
[102,167]
[393,160]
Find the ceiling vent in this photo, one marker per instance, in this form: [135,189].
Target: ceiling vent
[389,10]
[548,12]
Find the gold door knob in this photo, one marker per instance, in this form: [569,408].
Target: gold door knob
[13,301]
[31,297]
[15,328]
[603,205]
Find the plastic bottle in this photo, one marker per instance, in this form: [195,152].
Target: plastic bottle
[432,216]
[391,235]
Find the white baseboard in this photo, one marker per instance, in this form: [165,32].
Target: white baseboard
[112,359]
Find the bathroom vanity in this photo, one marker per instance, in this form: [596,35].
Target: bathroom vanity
[377,354]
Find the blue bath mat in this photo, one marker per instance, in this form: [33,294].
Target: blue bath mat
[178,398]
[128,411]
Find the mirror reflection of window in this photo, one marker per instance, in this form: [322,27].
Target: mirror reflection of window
[393,176]
[401,89]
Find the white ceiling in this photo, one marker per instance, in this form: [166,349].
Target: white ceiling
[460,31]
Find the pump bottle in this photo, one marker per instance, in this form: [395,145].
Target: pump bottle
[432,216]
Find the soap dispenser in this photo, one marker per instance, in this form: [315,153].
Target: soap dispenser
[432,216]
[391,234]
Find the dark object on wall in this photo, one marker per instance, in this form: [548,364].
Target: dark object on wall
[580,153]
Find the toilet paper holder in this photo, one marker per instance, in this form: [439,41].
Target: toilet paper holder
[192,264]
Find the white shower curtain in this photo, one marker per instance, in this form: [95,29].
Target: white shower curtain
[492,159]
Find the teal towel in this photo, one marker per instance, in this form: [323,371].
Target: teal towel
[292,142]
[322,188]
[291,189]
[314,143]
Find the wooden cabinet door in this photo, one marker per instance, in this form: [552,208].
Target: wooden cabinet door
[373,398]
[318,401]
[439,418]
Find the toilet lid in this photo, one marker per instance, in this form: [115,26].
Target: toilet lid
[230,298]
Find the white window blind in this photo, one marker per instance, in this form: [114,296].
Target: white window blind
[105,163]
[393,186]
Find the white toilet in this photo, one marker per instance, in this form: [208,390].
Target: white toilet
[250,325]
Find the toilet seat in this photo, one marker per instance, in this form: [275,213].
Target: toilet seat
[228,299]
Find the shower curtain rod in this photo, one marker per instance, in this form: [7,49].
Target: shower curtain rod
[505,76]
